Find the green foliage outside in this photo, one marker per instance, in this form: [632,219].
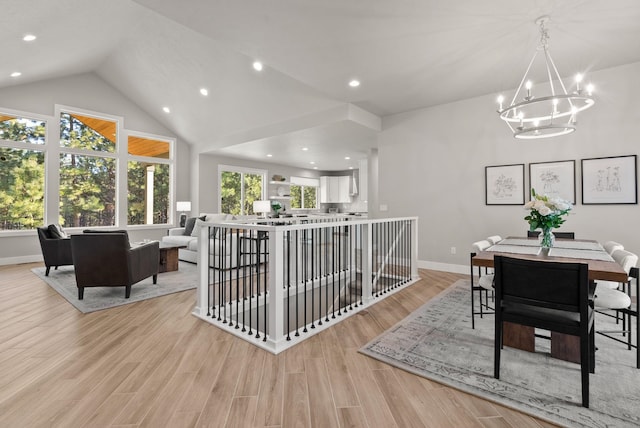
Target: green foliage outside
[87,183]
[138,192]
[22,175]
[235,185]
[310,197]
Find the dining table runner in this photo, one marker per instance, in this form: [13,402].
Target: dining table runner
[589,250]
[580,254]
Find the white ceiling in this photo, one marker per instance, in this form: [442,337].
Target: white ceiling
[408,54]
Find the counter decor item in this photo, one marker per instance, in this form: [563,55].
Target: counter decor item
[546,214]
[276,206]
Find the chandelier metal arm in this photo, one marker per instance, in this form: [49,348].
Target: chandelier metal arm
[537,116]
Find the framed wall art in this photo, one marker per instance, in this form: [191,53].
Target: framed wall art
[555,179]
[504,184]
[611,180]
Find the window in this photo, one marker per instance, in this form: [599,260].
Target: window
[91,177]
[22,172]
[148,181]
[304,193]
[239,188]
[87,171]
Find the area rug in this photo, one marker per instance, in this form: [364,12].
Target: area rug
[63,281]
[437,342]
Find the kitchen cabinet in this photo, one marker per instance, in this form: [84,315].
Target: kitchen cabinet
[335,189]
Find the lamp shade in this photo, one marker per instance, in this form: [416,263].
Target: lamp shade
[261,206]
[183,206]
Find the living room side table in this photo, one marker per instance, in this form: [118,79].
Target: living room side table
[169,257]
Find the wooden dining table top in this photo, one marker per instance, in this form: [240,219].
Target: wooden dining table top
[598,269]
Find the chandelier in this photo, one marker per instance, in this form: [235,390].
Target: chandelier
[552,111]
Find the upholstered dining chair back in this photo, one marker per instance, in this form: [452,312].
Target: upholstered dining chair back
[625,259]
[557,234]
[547,295]
[612,246]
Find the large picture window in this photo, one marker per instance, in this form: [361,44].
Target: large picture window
[87,171]
[22,172]
[239,188]
[90,175]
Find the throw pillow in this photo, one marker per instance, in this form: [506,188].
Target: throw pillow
[188,226]
[196,227]
[56,231]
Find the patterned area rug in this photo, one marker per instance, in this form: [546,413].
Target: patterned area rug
[437,342]
[63,281]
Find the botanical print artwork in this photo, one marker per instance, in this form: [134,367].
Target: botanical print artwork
[504,187]
[550,180]
[554,179]
[610,180]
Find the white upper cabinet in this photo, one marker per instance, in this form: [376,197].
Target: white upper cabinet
[335,189]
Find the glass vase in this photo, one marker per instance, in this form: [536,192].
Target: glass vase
[546,238]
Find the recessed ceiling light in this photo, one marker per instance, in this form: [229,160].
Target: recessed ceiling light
[354,83]
[269,155]
[16,74]
[350,167]
[315,167]
[312,163]
[257,66]
[204,91]
[304,149]
[29,38]
[347,158]
[166,109]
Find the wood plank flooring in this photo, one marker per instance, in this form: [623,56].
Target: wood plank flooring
[152,364]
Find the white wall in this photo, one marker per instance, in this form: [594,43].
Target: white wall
[90,92]
[439,155]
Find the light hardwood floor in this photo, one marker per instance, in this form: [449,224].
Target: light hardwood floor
[152,364]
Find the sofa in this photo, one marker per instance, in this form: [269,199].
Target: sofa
[188,236]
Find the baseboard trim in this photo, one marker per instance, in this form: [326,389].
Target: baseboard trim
[19,260]
[445,267]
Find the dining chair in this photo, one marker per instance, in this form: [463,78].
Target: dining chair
[547,295]
[560,235]
[483,286]
[494,239]
[626,260]
[615,296]
[612,246]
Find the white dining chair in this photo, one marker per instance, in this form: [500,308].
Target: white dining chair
[484,283]
[612,246]
[626,260]
[494,239]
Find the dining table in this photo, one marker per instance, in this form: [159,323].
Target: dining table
[601,266]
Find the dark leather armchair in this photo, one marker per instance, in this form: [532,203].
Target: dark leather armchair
[105,259]
[55,251]
[547,295]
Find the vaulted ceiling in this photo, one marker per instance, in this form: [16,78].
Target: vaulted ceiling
[408,54]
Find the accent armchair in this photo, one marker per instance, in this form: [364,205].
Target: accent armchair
[55,251]
[105,259]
